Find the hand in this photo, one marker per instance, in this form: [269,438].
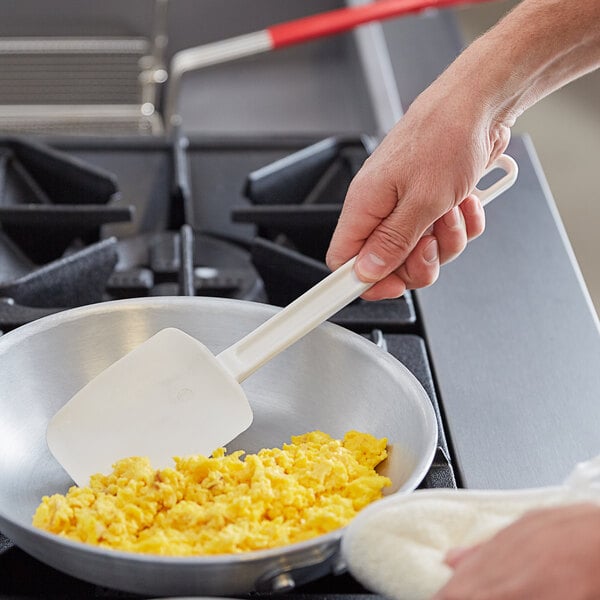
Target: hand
[393,214]
[408,209]
[550,554]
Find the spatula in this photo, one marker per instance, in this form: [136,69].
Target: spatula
[171,396]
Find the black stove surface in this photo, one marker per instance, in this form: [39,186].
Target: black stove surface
[180,217]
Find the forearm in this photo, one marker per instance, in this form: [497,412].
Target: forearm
[537,48]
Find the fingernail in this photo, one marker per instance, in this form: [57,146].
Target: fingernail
[430,252]
[452,218]
[370,267]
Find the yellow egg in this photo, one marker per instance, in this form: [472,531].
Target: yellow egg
[227,503]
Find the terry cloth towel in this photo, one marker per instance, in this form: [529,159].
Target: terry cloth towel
[396,547]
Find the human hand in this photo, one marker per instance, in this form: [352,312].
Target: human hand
[408,209]
[549,554]
[397,212]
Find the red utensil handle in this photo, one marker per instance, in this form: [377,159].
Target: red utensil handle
[343,19]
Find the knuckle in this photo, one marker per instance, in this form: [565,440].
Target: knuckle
[429,278]
[477,229]
[391,241]
[419,275]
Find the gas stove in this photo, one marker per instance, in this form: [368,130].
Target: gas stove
[90,220]
[505,343]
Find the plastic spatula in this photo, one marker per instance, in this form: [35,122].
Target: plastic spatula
[171,396]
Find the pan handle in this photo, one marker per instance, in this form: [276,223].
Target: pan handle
[343,19]
[323,300]
[289,33]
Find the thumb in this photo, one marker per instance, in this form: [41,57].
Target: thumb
[391,242]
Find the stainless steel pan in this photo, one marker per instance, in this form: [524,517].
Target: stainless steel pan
[332,380]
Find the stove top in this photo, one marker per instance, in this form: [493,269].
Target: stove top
[90,220]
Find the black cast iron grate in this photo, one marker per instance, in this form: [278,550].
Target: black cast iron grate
[58,214]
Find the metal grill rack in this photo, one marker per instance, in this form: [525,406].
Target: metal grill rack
[105,85]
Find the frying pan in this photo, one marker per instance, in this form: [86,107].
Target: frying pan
[332,380]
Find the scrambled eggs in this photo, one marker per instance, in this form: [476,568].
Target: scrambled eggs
[226,503]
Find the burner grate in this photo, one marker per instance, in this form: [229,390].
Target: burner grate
[49,200]
[70,238]
[296,200]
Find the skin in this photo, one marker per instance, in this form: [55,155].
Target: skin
[408,210]
[550,554]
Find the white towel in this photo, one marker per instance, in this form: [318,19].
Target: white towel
[396,547]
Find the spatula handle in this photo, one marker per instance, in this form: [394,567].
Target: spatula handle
[322,301]
[509,166]
[293,322]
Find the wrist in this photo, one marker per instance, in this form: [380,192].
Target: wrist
[474,105]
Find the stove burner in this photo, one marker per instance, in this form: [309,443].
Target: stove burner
[154,265]
[54,211]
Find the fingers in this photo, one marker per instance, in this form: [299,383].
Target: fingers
[392,242]
[474,216]
[420,269]
[422,266]
[391,287]
[458,226]
[443,242]
[359,219]
[452,232]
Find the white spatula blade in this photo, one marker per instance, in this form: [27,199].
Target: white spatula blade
[168,397]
